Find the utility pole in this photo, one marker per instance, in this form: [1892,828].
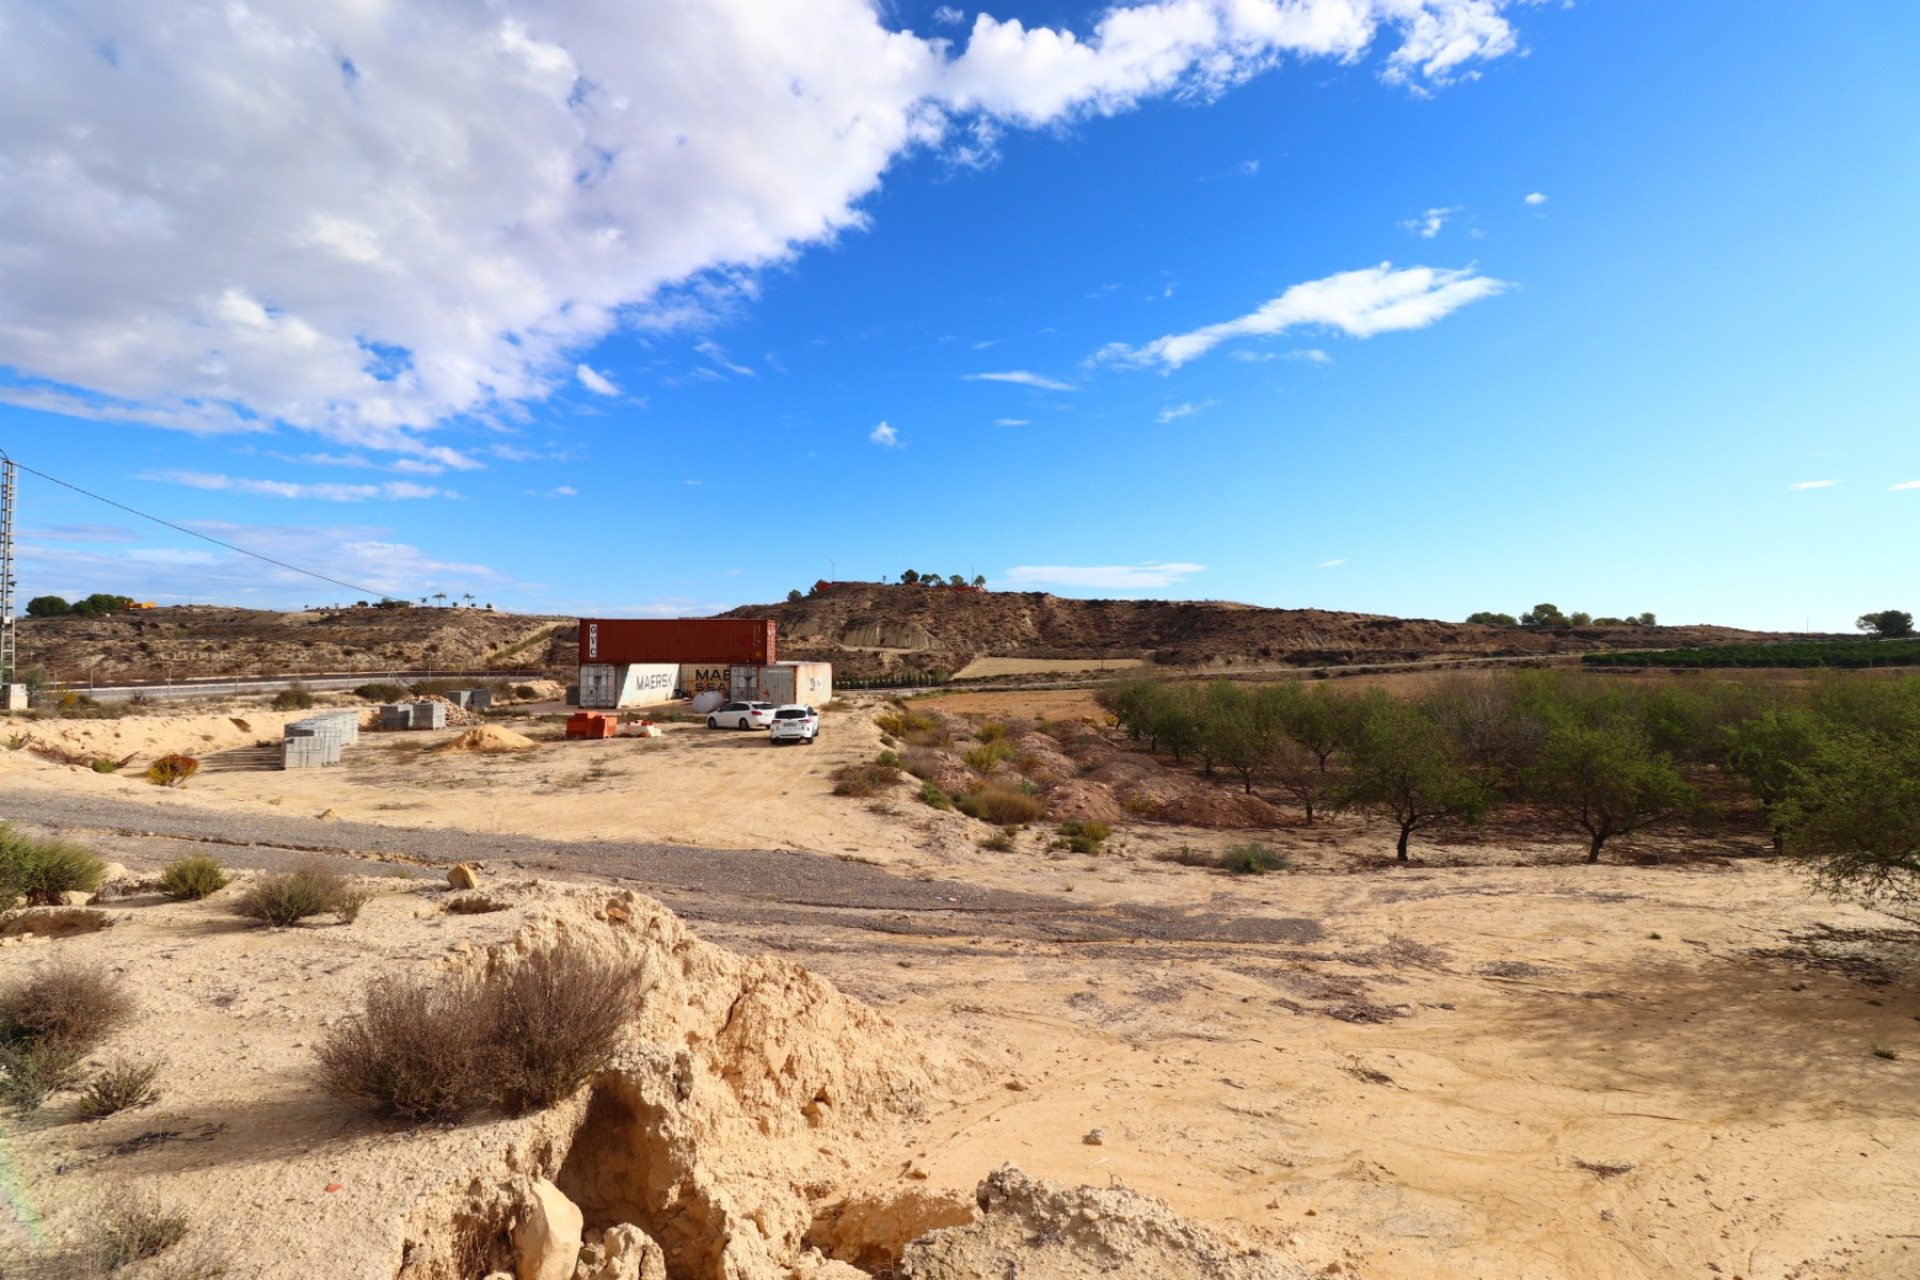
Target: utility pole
[8,481]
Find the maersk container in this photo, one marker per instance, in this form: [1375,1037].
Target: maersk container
[708,641]
[612,685]
[807,683]
[697,678]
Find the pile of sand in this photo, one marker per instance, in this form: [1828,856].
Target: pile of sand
[488,739]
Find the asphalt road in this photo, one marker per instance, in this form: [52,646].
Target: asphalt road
[736,886]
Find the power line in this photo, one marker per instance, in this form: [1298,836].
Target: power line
[193,533]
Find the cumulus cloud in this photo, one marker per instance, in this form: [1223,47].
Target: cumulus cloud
[362,220]
[1428,224]
[1116,577]
[1814,484]
[1358,303]
[596,382]
[1023,378]
[396,489]
[885,436]
[1536,198]
[947,15]
[1173,413]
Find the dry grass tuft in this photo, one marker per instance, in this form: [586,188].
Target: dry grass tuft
[1001,805]
[134,1226]
[311,889]
[415,1048]
[119,1086]
[863,781]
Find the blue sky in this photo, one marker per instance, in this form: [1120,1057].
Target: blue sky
[670,343]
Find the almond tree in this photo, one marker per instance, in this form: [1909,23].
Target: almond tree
[1405,768]
[1609,781]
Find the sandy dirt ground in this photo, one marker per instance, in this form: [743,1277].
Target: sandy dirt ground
[1493,1063]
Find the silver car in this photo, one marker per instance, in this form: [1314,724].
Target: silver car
[741,715]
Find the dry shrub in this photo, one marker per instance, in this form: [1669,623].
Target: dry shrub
[988,754]
[557,1019]
[415,1048]
[1001,805]
[51,1021]
[381,692]
[930,794]
[863,780]
[922,764]
[42,870]
[992,731]
[1254,860]
[474,904]
[1000,841]
[311,889]
[900,722]
[134,1226]
[928,738]
[1142,805]
[119,1086]
[1081,837]
[524,1039]
[295,697]
[172,771]
[193,876]
[66,1004]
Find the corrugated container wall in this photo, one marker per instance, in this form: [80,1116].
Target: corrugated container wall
[810,683]
[705,677]
[609,685]
[718,641]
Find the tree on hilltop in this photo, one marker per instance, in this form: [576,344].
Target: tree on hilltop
[1887,624]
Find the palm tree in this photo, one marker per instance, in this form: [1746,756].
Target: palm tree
[439,595]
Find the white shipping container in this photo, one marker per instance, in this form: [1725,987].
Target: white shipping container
[808,683]
[646,684]
[599,684]
[610,686]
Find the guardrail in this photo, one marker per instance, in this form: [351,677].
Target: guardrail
[236,686]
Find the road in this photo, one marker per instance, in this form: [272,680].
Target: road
[744,887]
[232,686]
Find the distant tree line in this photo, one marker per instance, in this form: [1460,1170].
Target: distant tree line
[912,576]
[1549,615]
[57,607]
[1832,769]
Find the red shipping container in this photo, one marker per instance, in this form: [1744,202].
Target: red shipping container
[743,642]
[589,724]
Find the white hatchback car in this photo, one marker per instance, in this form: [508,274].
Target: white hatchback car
[794,723]
[741,715]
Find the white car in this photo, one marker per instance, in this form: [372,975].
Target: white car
[742,715]
[794,724]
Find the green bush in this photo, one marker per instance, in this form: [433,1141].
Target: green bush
[887,760]
[988,754]
[380,691]
[1081,836]
[193,876]
[934,796]
[42,870]
[1001,841]
[1254,860]
[295,697]
[312,889]
[863,780]
[901,721]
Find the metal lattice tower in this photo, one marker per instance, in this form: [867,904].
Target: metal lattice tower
[9,481]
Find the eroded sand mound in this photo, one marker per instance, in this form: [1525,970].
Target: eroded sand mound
[489,738]
[1039,1230]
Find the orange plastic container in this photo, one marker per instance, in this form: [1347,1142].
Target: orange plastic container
[591,724]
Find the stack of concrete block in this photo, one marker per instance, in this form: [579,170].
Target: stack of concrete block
[480,699]
[317,741]
[396,715]
[429,715]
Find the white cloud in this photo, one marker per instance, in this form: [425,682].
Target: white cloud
[1814,484]
[1172,413]
[1907,484]
[396,489]
[1023,378]
[1331,564]
[1359,303]
[1116,577]
[712,351]
[82,533]
[1428,224]
[362,220]
[885,436]
[595,381]
[1536,198]
[947,15]
[1012,422]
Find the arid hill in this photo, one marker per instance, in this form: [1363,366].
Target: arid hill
[869,629]
[208,640]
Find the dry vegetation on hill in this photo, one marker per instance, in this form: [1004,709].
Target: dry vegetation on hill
[869,630]
[209,640]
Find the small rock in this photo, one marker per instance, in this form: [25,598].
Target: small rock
[1017,1086]
[546,1242]
[328,815]
[1096,1138]
[113,872]
[464,947]
[75,898]
[463,876]
[624,1253]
